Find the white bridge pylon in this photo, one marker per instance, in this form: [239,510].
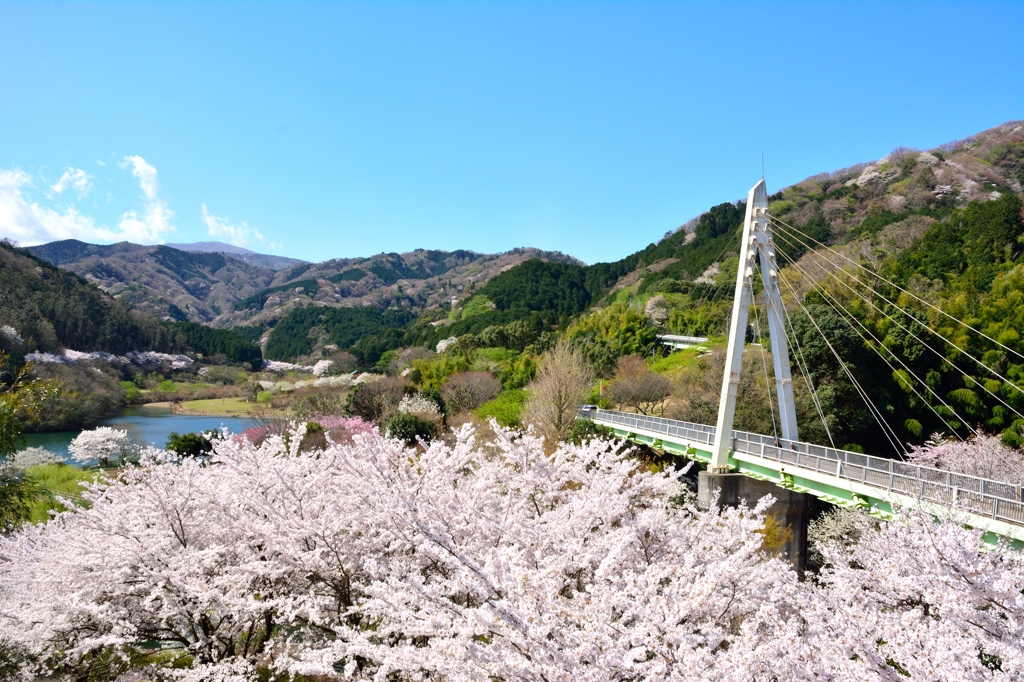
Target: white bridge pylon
[756,241]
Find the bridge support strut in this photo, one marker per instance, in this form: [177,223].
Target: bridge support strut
[786,532]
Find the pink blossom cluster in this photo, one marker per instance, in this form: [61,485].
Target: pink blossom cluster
[982,455]
[344,429]
[466,561]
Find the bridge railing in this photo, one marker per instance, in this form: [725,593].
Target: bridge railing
[996,499]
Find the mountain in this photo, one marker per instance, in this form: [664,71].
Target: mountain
[220,289]
[49,309]
[879,204]
[838,207]
[237,252]
[212,247]
[161,280]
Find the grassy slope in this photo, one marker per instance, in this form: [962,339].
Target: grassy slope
[57,480]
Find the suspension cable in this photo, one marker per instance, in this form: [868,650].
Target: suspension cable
[805,370]
[894,285]
[919,340]
[875,412]
[842,311]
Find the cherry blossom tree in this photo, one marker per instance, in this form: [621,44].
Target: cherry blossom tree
[460,562]
[103,444]
[981,455]
[476,561]
[918,598]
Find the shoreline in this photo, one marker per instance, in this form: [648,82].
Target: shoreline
[214,407]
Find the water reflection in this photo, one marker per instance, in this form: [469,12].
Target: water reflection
[151,425]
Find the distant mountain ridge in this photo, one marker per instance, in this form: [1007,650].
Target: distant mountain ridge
[264,260]
[203,283]
[211,247]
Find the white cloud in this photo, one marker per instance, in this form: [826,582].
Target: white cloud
[75,178]
[239,235]
[29,223]
[144,172]
[151,224]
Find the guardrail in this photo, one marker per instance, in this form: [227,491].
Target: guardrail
[995,499]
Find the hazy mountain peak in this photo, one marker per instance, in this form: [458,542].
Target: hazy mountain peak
[210,247]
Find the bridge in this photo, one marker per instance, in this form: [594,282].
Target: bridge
[677,342]
[875,485]
[745,466]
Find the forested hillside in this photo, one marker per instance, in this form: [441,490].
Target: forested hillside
[165,282]
[52,309]
[541,294]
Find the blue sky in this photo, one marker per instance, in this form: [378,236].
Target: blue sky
[322,130]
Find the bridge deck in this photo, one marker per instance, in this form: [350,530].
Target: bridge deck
[874,484]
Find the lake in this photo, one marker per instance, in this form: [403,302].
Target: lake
[151,425]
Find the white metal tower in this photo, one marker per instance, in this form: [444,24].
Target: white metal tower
[757,239]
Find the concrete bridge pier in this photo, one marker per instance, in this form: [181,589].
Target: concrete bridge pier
[790,510]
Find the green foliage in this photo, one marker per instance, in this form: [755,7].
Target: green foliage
[410,428]
[432,373]
[189,264]
[708,318]
[517,371]
[507,408]
[877,219]
[390,267]
[17,494]
[584,430]
[344,327]
[191,444]
[51,481]
[76,397]
[210,342]
[914,427]
[816,229]
[538,286]
[489,357]
[264,397]
[252,334]
[52,308]
[131,391]
[386,358]
[674,361]
[434,396]
[11,437]
[515,335]
[969,246]
[18,394]
[617,330]
[476,305]
[352,275]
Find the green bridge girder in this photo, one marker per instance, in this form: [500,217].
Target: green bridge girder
[877,502]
